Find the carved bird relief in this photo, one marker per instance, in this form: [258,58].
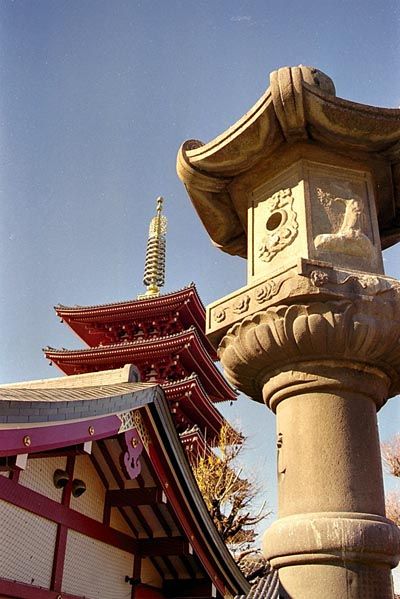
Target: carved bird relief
[348,238]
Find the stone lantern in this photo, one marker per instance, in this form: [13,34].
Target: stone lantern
[306,186]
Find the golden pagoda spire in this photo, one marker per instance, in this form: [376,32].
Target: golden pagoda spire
[154,269]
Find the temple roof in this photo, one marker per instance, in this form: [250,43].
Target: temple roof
[186,303]
[187,344]
[149,305]
[196,404]
[263,578]
[299,107]
[112,410]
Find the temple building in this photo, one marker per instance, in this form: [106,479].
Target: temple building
[97,496]
[163,335]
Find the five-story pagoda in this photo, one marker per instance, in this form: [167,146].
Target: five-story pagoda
[163,335]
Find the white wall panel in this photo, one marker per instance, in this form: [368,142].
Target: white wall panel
[27,546]
[96,570]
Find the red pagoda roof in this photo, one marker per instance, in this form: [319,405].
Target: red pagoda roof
[194,443]
[90,322]
[196,406]
[167,359]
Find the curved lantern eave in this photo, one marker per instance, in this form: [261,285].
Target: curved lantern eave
[299,106]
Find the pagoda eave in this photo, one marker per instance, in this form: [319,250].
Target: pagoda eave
[185,346]
[91,323]
[195,405]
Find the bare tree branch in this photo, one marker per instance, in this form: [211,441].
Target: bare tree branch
[393,507]
[391,455]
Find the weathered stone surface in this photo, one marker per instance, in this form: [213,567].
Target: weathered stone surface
[360,332]
[307,186]
[301,281]
[300,113]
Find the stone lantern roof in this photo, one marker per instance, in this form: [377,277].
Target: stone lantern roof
[298,116]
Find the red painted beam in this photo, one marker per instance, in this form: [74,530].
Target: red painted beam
[45,438]
[52,510]
[20,590]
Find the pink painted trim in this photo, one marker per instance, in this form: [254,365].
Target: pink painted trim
[52,510]
[20,590]
[54,436]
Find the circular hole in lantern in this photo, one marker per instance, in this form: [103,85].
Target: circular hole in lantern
[274,221]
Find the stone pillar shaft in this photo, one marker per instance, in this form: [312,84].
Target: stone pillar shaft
[331,502]
[328,444]
[325,369]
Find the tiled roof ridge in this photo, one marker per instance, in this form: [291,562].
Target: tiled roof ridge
[72,393]
[264,581]
[78,307]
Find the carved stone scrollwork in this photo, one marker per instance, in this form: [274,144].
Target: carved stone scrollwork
[360,331]
[319,277]
[219,315]
[241,305]
[367,283]
[281,224]
[267,291]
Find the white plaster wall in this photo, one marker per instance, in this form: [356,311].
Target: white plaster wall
[27,546]
[96,570]
[38,476]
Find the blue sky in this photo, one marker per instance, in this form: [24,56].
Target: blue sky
[96,97]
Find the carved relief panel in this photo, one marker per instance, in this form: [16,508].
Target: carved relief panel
[343,223]
[313,211]
[276,224]
[280,225]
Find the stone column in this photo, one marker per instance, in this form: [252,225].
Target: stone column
[306,187]
[309,361]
